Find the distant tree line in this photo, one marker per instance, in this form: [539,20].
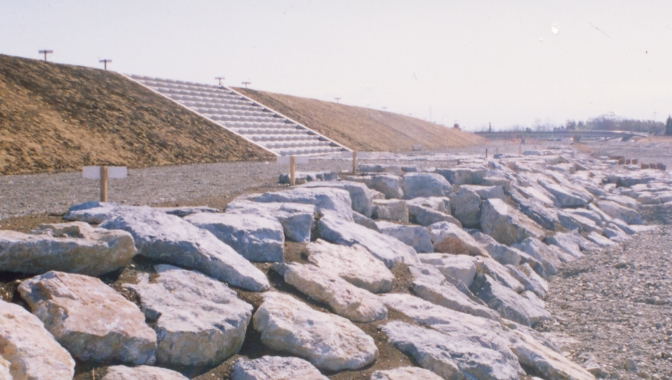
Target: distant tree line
[603,123]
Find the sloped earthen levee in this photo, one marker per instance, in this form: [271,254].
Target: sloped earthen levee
[244,117]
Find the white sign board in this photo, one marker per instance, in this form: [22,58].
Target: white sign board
[93,172]
[349,154]
[284,160]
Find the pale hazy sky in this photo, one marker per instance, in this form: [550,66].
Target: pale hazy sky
[472,62]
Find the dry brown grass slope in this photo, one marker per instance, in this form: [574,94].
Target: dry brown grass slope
[57,117]
[364,129]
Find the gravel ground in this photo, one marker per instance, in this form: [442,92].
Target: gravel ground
[618,305]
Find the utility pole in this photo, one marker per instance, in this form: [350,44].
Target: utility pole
[105,62]
[45,52]
[246,83]
[220,79]
[337,100]
[384,108]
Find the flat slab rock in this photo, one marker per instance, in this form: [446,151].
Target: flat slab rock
[430,285]
[175,241]
[509,304]
[405,373]
[256,238]
[296,219]
[416,185]
[142,372]
[345,299]
[90,319]
[28,350]
[328,341]
[198,320]
[425,216]
[451,357]
[335,201]
[456,268]
[275,368]
[353,264]
[68,247]
[414,236]
[390,209]
[385,248]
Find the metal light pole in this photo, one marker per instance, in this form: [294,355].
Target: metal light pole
[105,62]
[45,52]
[246,83]
[220,79]
[337,100]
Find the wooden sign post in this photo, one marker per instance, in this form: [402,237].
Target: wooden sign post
[292,161]
[486,152]
[103,173]
[354,155]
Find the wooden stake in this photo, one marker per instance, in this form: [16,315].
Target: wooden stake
[520,149]
[496,150]
[486,152]
[292,179]
[103,183]
[354,162]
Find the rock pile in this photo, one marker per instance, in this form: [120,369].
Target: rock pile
[479,242]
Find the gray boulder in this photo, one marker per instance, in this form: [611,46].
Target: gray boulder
[486,192]
[328,341]
[90,319]
[256,238]
[530,279]
[508,303]
[577,222]
[456,268]
[345,299]
[568,197]
[454,356]
[309,177]
[416,185]
[385,248]
[388,184]
[540,251]
[68,247]
[572,243]
[380,168]
[463,176]
[390,209]
[275,368]
[449,238]
[426,216]
[405,373]
[360,194]
[28,350]
[325,200]
[501,274]
[353,264]
[198,320]
[506,224]
[141,372]
[364,221]
[175,241]
[415,236]
[296,219]
[615,210]
[466,205]
[441,204]
[601,241]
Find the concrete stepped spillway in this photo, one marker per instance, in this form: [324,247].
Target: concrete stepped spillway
[244,117]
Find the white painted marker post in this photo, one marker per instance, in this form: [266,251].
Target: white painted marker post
[104,173]
[292,161]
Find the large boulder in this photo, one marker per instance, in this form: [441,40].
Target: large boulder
[431,285]
[360,194]
[256,238]
[275,368]
[623,213]
[415,236]
[353,264]
[466,205]
[416,185]
[175,241]
[426,216]
[141,372]
[506,224]
[91,320]
[449,238]
[486,192]
[198,320]
[529,278]
[508,303]
[325,200]
[28,350]
[328,341]
[463,176]
[296,219]
[405,373]
[577,222]
[568,197]
[345,299]
[572,243]
[441,204]
[501,274]
[388,184]
[509,255]
[68,247]
[309,176]
[94,212]
[390,209]
[385,248]
[540,251]
[456,268]
[380,168]
[455,356]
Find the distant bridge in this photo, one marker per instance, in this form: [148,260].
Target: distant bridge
[563,134]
